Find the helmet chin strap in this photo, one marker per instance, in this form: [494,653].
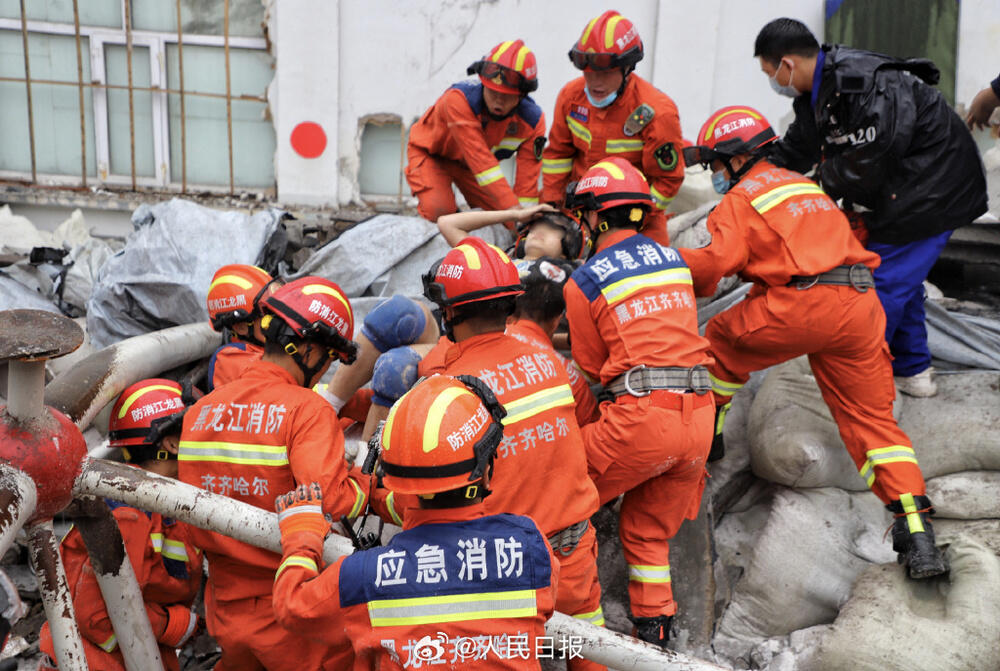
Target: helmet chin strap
[308,371]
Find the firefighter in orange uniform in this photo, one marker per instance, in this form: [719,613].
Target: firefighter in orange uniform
[633,325]
[260,437]
[611,111]
[813,294]
[473,126]
[232,304]
[146,424]
[542,453]
[459,587]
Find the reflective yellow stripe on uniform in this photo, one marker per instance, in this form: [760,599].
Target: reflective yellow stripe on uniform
[595,618]
[359,500]
[452,608]
[556,166]
[913,520]
[110,644]
[540,401]
[622,145]
[885,455]
[578,129]
[168,548]
[776,196]
[233,453]
[487,177]
[622,289]
[509,143]
[724,388]
[390,503]
[659,199]
[527,201]
[647,573]
[297,560]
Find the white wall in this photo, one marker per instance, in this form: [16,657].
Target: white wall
[340,61]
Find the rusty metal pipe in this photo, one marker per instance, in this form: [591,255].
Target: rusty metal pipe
[117,581]
[48,568]
[81,392]
[260,528]
[18,499]
[193,505]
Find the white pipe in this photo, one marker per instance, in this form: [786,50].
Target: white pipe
[25,389]
[118,584]
[258,527]
[91,384]
[48,568]
[18,499]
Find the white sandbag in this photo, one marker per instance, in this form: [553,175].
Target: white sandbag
[986,532]
[813,547]
[18,235]
[893,623]
[794,441]
[969,495]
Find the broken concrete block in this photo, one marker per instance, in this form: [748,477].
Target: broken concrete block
[892,623]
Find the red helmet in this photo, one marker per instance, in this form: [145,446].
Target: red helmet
[311,309]
[510,67]
[441,435]
[233,294]
[609,41]
[143,414]
[609,183]
[473,271]
[729,132]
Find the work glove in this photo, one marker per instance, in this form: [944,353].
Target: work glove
[300,516]
[181,624]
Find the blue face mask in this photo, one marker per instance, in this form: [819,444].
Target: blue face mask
[787,90]
[600,104]
[720,182]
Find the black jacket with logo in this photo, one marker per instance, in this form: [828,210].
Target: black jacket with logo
[886,139]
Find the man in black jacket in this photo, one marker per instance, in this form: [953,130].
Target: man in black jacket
[887,143]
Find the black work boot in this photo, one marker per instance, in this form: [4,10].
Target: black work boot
[718,442]
[655,630]
[913,537]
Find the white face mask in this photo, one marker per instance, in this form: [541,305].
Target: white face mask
[787,90]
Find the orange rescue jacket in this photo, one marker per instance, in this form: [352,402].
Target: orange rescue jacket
[773,224]
[457,589]
[457,127]
[582,135]
[632,303]
[253,440]
[229,361]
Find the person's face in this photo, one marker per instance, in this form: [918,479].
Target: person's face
[602,83]
[314,355]
[500,104]
[543,239]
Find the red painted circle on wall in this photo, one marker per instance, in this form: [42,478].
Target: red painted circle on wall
[308,139]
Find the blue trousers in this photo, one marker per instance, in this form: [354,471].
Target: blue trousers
[899,282]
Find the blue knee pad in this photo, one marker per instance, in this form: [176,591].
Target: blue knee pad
[395,372]
[397,321]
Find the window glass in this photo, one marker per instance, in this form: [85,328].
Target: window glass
[199,18]
[380,170]
[56,108]
[119,132]
[105,13]
[207,141]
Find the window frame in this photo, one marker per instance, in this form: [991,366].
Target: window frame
[157,42]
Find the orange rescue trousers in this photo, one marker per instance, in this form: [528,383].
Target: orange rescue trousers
[851,363]
[430,179]
[251,639]
[653,450]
